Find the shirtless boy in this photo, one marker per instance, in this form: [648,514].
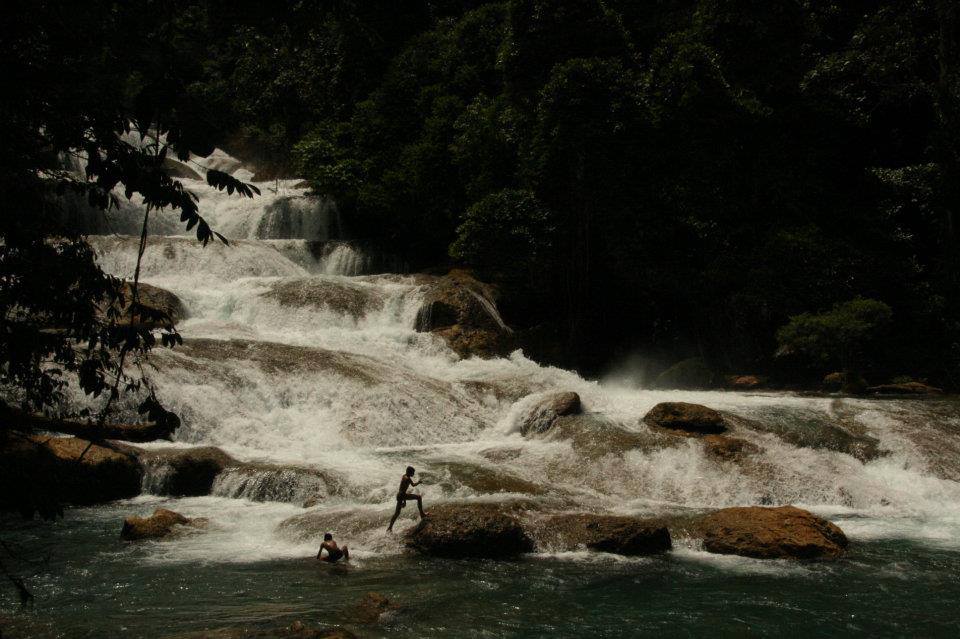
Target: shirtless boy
[334,552]
[402,496]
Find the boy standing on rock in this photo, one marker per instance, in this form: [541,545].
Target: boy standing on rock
[402,496]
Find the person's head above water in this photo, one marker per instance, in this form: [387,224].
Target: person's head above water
[328,537]
[410,471]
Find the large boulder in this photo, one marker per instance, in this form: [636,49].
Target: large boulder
[463,311]
[744,382]
[541,416]
[156,300]
[162,523]
[39,473]
[604,533]
[470,530]
[183,472]
[785,532]
[685,419]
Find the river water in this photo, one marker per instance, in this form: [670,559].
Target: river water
[299,358]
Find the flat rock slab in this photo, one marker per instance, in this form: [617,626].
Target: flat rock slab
[470,530]
[785,532]
[685,419]
[603,533]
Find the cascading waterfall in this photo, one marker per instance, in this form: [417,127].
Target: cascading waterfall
[305,367]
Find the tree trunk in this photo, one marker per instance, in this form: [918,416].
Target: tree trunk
[11,418]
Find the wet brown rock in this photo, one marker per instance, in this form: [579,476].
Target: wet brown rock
[470,530]
[462,310]
[545,412]
[42,472]
[162,523]
[593,436]
[604,533]
[744,382]
[487,479]
[728,448]
[833,381]
[772,533]
[685,419]
[341,297]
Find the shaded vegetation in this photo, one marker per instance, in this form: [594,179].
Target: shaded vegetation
[674,179]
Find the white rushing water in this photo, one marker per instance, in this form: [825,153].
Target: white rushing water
[296,356]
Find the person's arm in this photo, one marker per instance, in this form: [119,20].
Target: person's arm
[320,552]
[415,483]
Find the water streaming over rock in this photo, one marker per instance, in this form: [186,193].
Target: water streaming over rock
[299,360]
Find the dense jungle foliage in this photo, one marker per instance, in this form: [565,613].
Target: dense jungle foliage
[671,178]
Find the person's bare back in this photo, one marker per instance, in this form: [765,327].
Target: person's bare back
[402,496]
[334,552]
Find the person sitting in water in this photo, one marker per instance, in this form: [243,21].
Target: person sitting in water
[402,496]
[334,552]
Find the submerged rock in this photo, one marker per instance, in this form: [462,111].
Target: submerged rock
[594,435]
[728,448]
[296,630]
[685,419]
[905,388]
[374,608]
[484,478]
[542,415]
[604,533]
[339,296]
[772,533]
[470,530]
[162,523]
[463,311]
[814,430]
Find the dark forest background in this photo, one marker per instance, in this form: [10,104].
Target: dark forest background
[672,179]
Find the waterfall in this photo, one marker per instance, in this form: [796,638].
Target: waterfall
[301,360]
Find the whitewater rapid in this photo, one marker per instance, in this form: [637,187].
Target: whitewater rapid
[296,355]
